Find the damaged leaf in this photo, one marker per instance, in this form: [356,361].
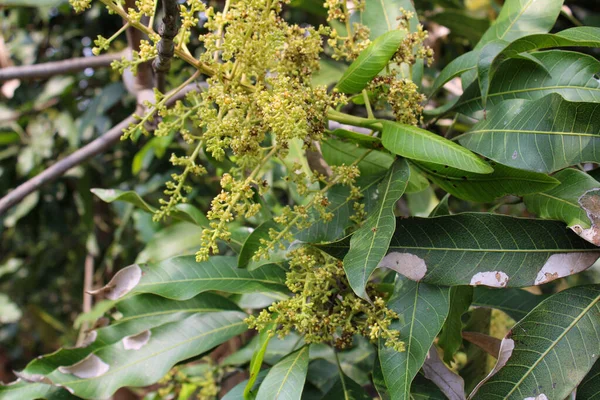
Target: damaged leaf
[590,203]
[121,284]
[451,384]
[555,346]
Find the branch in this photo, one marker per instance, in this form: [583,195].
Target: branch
[166,47]
[45,70]
[80,156]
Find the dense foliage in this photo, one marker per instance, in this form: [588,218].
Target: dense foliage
[311,201]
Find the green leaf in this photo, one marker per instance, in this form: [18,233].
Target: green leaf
[424,389]
[482,249]
[370,62]
[567,73]
[491,56]
[543,135]
[450,338]
[21,390]
[337,152]
[520,18]
[418,144]
[458,66]
[237,392]
[381,16]
[517,303]
[286,379]
[555,346]
[588,388]
[561,203]
[116,366]
[462,23]
[181,278]
[422,309]
[486,187]
[346,389]
[183,212]
[257,358]
[417,182]
[139,313]
[253,243]
[370,242]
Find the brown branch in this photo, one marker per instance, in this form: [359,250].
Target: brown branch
[166,46]
[88,151]
[45,70]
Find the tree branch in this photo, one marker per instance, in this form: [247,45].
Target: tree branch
[88,151]
[166,47]
[45,70]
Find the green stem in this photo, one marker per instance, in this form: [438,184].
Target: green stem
[339,365]
[368,104]
[353,120]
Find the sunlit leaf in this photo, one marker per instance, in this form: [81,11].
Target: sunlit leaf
[285,379]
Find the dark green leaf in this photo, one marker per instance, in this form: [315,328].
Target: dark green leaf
[337,152]
[286,379]
[589,388]
[422,309]
[418,144]
[450,338]
[347,390]
[482,249]
[370,62]
[370,242]
[487,187]
[543,135]
[515,302]
[555,346]
[253,243]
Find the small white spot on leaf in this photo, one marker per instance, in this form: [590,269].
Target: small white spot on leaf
[515,155]
[506,349]
[136,342]
[565,264]
[32,377]
[122,283]
[90,367]
[490,278]
[538,397]
[409,265]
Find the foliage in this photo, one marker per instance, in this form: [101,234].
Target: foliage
[324,201]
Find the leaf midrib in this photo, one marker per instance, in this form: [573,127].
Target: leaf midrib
[534,89]
[289,371]
[529,132]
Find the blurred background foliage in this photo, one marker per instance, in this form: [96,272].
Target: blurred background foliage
[46,239]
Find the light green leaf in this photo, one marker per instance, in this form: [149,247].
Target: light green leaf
[121,364]
[253,243]
[337,152]
[550,351]
[381,16]
[567,73]
[181,278]
[178,239]
[418,144]
[237,392]
[370,62]
[370,242]
[450,338]
[422,309]
[588,388]
[286,379]
[543,135]
[417,181]
[21,390]
[561,203]
[486,187]
[458,66]
[517,303]
[257,358]
[482,249]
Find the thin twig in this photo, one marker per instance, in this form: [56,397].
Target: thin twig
[80,156]
[45,70]
[166,47]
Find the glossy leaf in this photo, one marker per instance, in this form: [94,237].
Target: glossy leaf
[487,187]
[482,249]
[555,346]
[450,338]
[181,278]
[495,52]
[567,73]
[370,62]
[514,302]
[544,135]
[562,202]
[285,379]
[422,309]
[370,242]
[418,144]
